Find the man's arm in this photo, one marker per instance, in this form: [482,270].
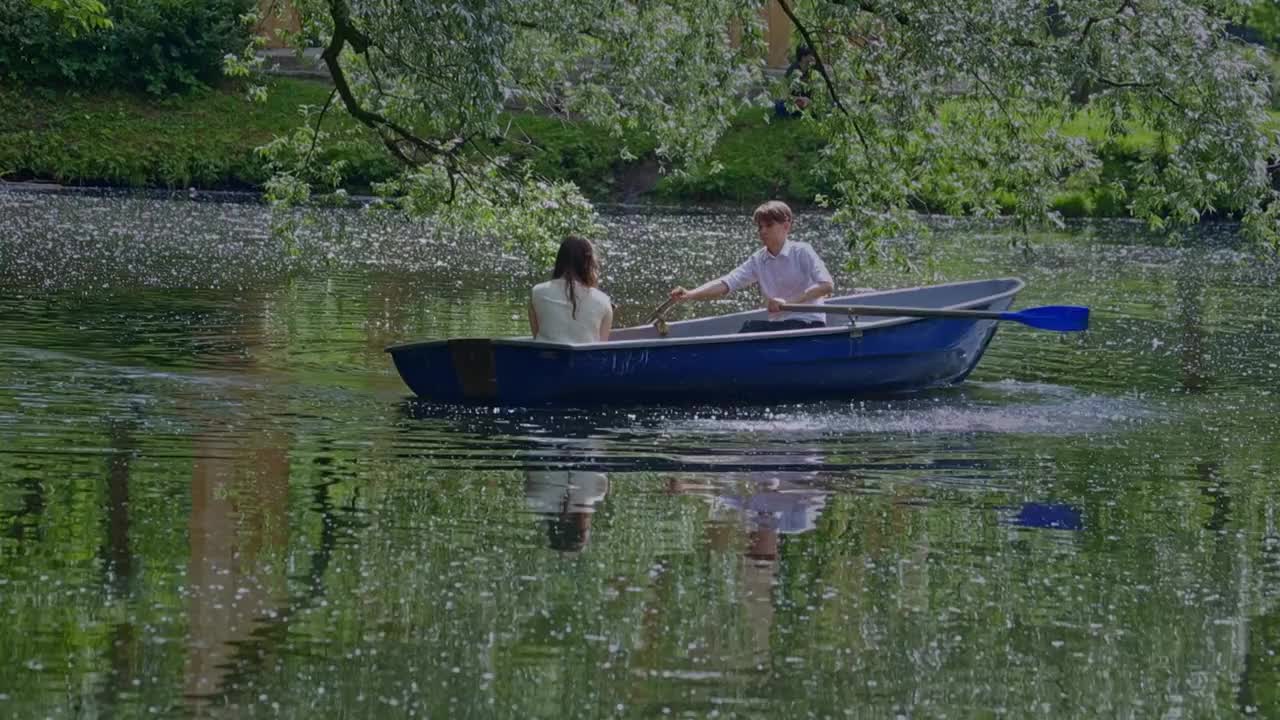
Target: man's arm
[533,320]
[742,276]
[815,291]
[708,290]
[820,280]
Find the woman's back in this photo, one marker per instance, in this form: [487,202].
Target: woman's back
[557,321]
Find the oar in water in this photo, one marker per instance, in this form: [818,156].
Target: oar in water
[1062,318]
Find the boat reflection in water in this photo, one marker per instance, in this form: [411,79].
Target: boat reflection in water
[1050,516]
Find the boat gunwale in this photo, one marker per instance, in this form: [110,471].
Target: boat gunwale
[736,337]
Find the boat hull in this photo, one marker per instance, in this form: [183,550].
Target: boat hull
[881,356]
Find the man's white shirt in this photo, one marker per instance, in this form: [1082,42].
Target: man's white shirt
[787,275]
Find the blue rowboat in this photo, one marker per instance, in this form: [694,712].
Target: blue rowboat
[707,359]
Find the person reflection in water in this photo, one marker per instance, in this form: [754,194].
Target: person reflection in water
[567,500]
[771,510]
[767,506]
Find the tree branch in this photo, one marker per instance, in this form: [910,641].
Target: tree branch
[1144,86]
[1123,83]
[344,32]
[867,6]
[585,32]
[998,99]
[1093,22]
[315,136]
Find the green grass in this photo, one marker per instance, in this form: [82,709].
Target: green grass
[761,159]
[587,155]
[207,139]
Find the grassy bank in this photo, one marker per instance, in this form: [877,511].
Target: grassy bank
[207,140]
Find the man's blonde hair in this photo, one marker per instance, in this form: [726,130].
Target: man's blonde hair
[774,211]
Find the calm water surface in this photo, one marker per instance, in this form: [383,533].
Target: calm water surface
[218,500]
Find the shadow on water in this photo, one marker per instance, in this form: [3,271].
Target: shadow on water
[831,435]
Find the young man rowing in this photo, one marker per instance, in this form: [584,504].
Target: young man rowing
[787,272]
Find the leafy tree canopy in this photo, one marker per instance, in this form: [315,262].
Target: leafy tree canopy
[77,15]
[966,99]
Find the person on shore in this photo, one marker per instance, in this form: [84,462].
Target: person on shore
[799,79]
[569,308]
[786,271]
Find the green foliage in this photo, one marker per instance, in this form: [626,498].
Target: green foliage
[756,158]
[207,139]
[1273,76]
[435,80]
[584,154]
[160,46]
[1264,16]
[965,107]
[203,139]
[77,16]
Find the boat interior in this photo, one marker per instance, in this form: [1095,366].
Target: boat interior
[724,328]
[951,296]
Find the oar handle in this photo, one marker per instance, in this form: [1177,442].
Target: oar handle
[888,311]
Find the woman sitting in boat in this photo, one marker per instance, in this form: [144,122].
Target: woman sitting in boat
[569,308]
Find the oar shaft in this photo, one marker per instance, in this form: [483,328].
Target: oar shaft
[657,314]
[888,311]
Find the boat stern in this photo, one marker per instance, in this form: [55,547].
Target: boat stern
[457,370]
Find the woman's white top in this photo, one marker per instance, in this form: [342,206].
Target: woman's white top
[556,319]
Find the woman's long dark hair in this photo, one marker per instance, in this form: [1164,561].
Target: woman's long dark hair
[576,263]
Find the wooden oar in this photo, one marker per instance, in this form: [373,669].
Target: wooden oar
[657,314]
[659,322]
[1061,318]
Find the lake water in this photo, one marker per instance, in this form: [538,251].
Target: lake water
[218,499]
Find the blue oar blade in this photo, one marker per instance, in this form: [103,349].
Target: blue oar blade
[1062,318]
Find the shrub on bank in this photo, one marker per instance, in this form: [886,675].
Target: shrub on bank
[758,158]
[158,46]
[204,138]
